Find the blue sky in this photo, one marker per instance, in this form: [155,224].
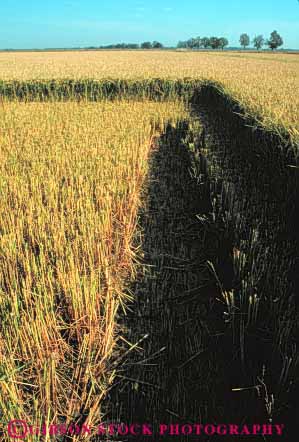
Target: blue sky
[71,23]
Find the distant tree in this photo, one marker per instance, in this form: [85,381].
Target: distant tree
[215,42]
[157,45]
[192,43]
[146,45]
[120,46]
[198,42]
[223,42]
[182,44]
[275,40]
[189,43]
[205,42]
[133,46]
[244,40]
[258,42]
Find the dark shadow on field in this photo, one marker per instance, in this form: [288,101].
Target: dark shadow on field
[259,170]
[183,369]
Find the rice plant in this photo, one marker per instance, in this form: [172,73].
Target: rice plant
[71,176]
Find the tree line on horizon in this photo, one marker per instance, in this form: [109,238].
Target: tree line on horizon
[274,42]
[144,45]
[204,42]
[258,42]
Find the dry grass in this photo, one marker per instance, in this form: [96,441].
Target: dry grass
[268,84]
[70,181]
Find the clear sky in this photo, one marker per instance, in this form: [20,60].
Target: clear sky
[72,23]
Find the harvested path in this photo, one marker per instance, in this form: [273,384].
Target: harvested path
[169,303]
[177,374]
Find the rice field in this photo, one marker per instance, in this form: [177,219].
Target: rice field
[71,176]
[108,202]
[267,84]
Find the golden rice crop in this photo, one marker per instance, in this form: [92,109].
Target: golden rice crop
[268,84]
[71,175]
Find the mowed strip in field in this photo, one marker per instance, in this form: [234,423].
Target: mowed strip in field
[71,177]
[266,83]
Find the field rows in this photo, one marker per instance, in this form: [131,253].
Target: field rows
[267,84]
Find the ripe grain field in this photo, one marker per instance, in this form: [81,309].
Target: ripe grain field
[267,84]
[71,176]
[145,270]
